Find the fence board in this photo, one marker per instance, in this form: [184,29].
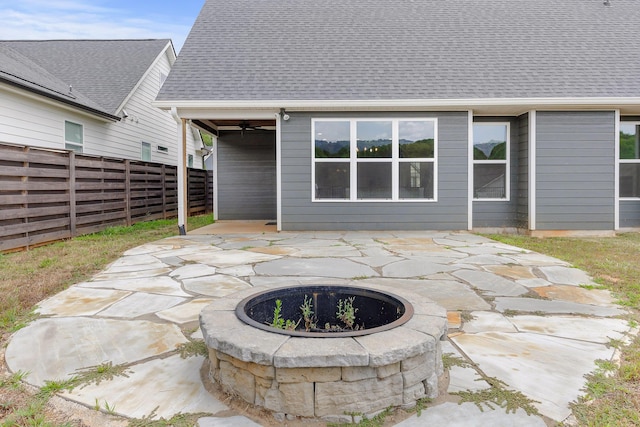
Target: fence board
[48,195]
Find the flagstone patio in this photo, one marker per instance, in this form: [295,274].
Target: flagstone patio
[515,315]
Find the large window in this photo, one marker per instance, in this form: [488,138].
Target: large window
[73,136]
[491,161]
[629,160]
[374,159]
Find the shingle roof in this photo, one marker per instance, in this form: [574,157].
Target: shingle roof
[408,49]
[102,73]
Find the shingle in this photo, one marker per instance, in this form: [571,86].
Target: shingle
[408,49]
[105,71]
[20,70]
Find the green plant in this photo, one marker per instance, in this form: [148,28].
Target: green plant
[279,322]
[96,374]
[178,420]
[193,348]
[498,395]
[347,312]
[307,314]
[14,381]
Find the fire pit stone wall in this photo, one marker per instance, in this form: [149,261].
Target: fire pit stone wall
[326,377]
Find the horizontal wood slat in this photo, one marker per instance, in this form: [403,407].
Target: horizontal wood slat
[48,195]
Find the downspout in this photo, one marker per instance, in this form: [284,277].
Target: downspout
[182,171]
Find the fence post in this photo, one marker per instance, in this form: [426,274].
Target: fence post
[127,190]
[165,215]
[72,194]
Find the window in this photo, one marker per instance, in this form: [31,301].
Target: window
[73,136]
[190,160]
[146,152]
[163,149]
[163,78]
[380,160]
[491,161]
[629,160]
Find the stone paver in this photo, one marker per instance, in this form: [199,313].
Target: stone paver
[54,349]
[144,305]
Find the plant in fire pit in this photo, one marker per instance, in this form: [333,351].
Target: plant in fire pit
[347,312]
[307,314]
[278,322]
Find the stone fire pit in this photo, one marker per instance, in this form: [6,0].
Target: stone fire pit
[312,377]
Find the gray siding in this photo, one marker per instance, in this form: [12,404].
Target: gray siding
[501,213]
[448,213]
[575,162]
[246,171]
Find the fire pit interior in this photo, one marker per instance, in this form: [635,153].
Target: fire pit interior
[366,311]
[388,355]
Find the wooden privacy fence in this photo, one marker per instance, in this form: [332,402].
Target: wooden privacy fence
[48,195]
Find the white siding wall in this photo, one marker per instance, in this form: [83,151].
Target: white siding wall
[27,121]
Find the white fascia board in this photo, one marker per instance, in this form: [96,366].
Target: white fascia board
[167,50]
[459,104]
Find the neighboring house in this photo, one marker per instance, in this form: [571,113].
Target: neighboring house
[398,114]
[92,97]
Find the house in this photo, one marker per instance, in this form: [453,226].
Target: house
[92,97]
[511,115]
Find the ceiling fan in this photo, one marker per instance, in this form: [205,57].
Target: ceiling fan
[244,126]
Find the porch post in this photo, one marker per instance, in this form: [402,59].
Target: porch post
[182,172]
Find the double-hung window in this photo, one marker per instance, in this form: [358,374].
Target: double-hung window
[374,159]
[491,161]
[73,136]
[630,160]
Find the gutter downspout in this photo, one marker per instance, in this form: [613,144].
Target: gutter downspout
[182,171]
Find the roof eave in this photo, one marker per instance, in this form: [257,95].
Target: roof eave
[478,105]
[68,102]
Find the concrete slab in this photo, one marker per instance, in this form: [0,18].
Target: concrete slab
[217,286]
[77,301]
[139,304]
[157,285]
[547,369]
[53,349]
[327,267]
[469,415]
[168,386]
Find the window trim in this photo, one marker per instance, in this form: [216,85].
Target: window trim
[395,159]
[64,130]
[506,162]
[626,161]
